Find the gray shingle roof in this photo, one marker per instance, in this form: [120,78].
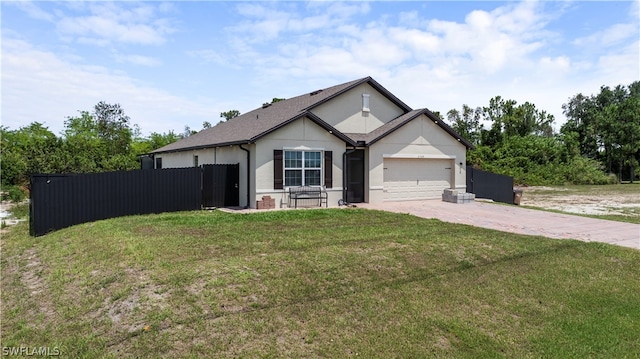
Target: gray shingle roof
[252,125]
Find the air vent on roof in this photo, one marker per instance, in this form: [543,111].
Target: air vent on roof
[265,105]
[315,92]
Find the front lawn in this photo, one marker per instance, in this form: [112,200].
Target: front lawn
[315,283]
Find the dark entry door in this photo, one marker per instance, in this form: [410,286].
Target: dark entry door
[220,185]
[355,177]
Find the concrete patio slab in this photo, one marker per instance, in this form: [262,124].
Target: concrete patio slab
[520,220]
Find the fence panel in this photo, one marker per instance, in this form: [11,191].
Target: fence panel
[59,201]
[220,185]
[490,185]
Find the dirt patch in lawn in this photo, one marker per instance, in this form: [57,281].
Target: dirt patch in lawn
[588,200]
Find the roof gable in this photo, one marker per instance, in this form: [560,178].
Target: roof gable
[391,126]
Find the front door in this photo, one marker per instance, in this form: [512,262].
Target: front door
[355,177]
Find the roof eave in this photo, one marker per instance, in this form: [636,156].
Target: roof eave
[200,147]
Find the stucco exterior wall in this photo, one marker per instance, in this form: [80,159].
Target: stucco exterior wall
[346,115]
[420,138]
[302,134]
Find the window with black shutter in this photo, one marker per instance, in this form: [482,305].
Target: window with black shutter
[302,168]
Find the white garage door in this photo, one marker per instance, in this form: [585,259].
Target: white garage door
[412,178]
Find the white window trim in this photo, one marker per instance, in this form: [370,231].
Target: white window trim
[285,168]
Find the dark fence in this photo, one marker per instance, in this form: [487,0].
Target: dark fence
[59,201]
[220,185]
[490,185]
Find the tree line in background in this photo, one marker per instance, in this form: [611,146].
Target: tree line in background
[599,143]
[98,141]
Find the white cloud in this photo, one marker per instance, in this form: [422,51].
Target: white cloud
[105,23]
[487,42]
[33,10]
[426,62]
[417,41]
[39,86]
[104,30]
[622,67]
[266,22]
[444,64]
[610,36]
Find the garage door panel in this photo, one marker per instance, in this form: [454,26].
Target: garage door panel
[406,179]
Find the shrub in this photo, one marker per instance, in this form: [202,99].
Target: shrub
[13,194]
[582,170]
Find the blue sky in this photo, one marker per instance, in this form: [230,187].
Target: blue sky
[171,64]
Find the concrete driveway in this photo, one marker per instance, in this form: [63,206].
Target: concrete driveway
[520,220]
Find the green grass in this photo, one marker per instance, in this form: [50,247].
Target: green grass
[20,211]
[315,283]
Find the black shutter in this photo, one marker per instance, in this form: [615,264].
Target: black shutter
[277,170]
[328,169]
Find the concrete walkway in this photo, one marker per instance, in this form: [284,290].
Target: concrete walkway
[516,219]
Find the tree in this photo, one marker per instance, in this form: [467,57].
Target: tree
[99,141]
[606,126]
[154,141]
[188,132]
[230,114]
[468,124]
[274,100]
[30,149]
[509,119]
[113,127]
[206,125]
[84,148]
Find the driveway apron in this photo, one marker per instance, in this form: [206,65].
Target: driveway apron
[520,220]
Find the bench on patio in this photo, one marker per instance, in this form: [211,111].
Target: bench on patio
[307,193]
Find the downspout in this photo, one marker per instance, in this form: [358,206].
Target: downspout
[248,175]
[344,175]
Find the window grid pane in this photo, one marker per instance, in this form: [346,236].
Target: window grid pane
[293,159]
[312,177]
[293,177]
[312,160]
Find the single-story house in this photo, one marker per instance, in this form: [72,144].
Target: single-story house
[357,140]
